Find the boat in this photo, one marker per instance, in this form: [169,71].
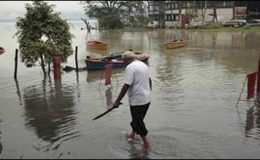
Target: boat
[99,63]
[98,52]
[175,44]
[115,60]
[96,45]
[2,50]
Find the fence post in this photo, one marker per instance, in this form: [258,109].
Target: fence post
[76,59]
[15,63]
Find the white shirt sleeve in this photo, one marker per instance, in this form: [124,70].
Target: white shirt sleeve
[129,76]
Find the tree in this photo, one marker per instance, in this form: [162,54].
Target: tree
[42,34]
[161,13]
[86,23]
[215,16]
[203,10]
[114,14]
[191,13]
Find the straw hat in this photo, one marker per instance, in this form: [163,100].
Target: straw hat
[128,55]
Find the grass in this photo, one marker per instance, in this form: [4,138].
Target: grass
[219,28]
[208,28]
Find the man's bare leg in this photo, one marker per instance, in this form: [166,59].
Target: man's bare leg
[146,144]
[131,135]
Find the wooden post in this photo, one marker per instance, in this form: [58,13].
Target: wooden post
[56,66]
[15,62]
[76,59]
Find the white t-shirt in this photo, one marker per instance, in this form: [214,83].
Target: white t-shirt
[137,76]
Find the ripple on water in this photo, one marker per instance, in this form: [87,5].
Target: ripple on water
[163,147]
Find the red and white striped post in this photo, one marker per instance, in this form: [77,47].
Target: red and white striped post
[108,72]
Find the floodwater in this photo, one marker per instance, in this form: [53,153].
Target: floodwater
[193,113]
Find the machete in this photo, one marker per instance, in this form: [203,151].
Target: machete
[97,117]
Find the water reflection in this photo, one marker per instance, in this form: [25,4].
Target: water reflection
[176,34]
[18,91]
[136,152]
[238,40]
[249,120]
[78,88]
[119,40]
[114,39]
[1,146]
[94,76]
[251,40]
[49,112]
[166,69]
[98,75]
[233,50]
[223,40]
[109,97]
[252,128]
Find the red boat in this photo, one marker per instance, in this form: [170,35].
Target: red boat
[96,45]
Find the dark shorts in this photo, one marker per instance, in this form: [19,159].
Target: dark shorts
[138,113]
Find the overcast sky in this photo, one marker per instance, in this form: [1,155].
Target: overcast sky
[69,9]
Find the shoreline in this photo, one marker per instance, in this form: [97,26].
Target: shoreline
[216,29]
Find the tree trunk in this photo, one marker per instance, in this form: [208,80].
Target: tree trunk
[87,24]
[162,14]
[43,65]
[203,10]
[215,16]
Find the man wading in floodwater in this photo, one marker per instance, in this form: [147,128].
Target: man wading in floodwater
[138,84]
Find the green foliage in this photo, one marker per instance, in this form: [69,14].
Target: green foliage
[111,22]
[191,13]
[142,20]
[41,21]
[115,14]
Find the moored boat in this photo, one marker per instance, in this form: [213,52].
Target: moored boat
[99,63]
[96,45]
[175,44]
[116,61]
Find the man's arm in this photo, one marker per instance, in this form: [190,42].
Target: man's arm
[121,95]
[150,82]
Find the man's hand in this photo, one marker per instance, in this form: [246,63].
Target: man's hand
[116,104]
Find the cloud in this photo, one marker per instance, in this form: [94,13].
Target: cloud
[12,6]
[67,5]
[68,9]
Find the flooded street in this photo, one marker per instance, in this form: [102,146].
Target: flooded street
[193,111]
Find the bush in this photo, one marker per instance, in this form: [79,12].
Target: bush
[110,22]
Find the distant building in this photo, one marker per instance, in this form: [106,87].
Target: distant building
[253,9]
[175,13]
